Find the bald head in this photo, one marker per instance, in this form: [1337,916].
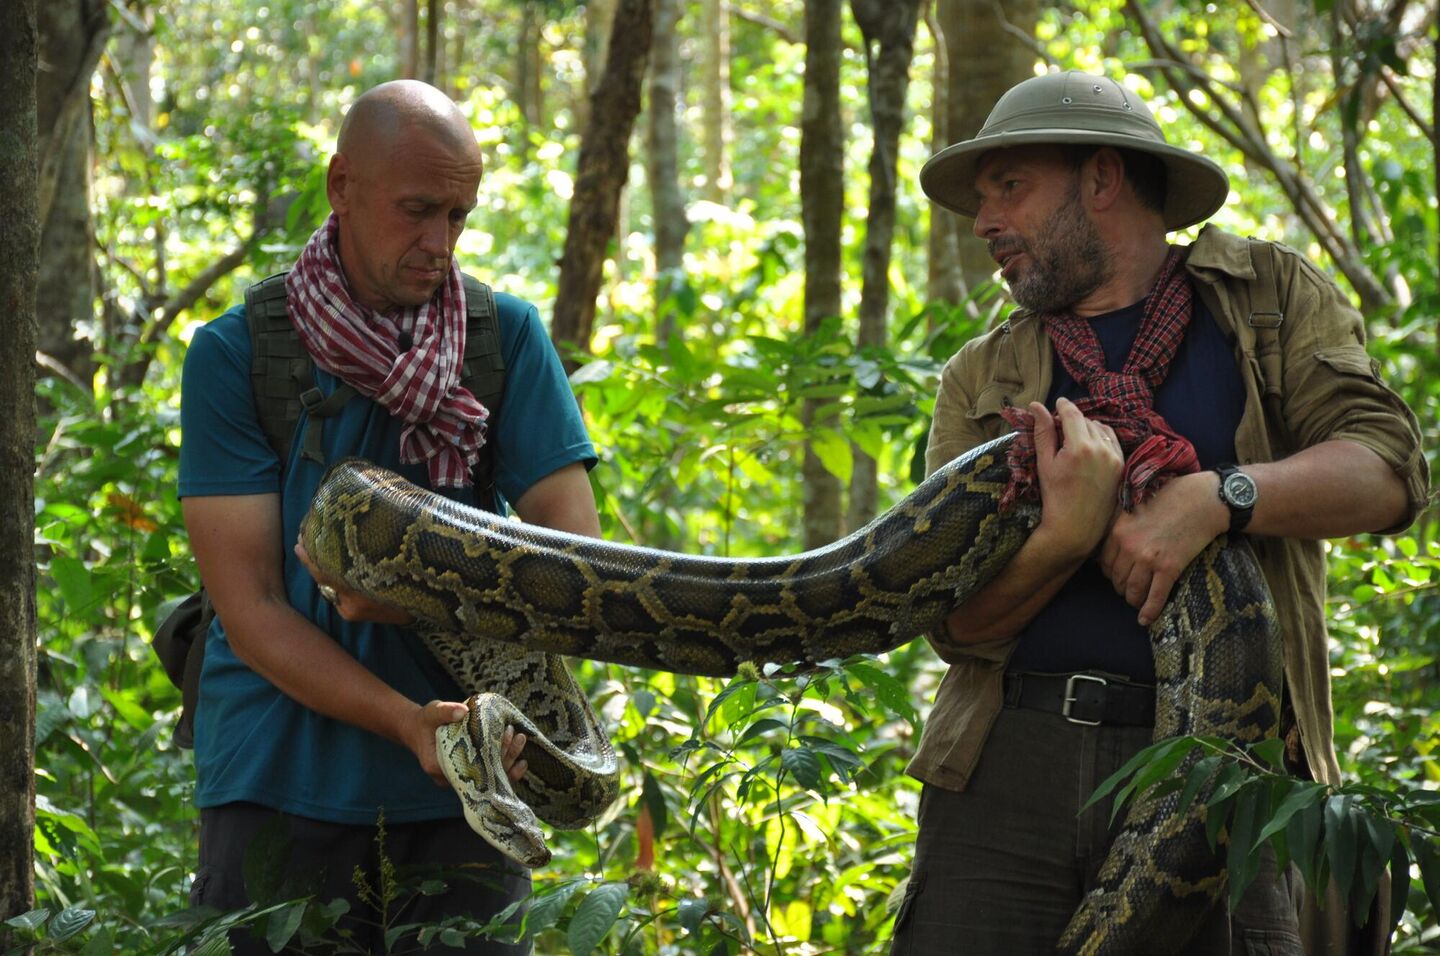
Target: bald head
[402,183]
[383,116]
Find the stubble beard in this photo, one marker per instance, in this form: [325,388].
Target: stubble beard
[1068,261]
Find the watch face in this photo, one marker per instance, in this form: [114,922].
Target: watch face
[1239,490]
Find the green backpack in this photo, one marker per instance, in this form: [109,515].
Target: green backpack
[282,378]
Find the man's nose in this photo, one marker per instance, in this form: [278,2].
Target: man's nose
[987,224]
[436,239]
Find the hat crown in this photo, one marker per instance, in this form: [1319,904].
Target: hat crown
[1072,101]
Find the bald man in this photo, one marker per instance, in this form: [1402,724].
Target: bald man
[317,710]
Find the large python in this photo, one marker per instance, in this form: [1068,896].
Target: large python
[502,596]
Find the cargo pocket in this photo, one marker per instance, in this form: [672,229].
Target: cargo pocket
[902,938]
[198,889]
[1271,942]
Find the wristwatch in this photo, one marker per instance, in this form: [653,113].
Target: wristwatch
[1238,493]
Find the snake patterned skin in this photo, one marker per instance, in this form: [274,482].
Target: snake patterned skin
[480,581]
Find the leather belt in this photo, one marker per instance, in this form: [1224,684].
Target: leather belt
[1085,698]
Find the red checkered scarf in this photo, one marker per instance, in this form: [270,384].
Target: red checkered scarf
[444,423]
[1124,400]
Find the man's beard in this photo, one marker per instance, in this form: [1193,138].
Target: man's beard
[1068,260]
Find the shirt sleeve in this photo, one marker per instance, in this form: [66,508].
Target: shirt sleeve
[1333,389]
[540,429]
[223,450]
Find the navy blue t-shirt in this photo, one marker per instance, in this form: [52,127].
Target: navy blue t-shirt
[1087,626]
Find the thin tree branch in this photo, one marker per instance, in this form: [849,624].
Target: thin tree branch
[769,23]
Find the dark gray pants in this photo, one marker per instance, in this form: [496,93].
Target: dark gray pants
[321,857]
[1000,868]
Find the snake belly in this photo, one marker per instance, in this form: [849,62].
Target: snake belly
[479,580]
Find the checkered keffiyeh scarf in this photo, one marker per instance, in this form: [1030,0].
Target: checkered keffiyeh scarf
[1124,400]
[420,385]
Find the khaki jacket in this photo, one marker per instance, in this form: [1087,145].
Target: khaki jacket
[1300,347]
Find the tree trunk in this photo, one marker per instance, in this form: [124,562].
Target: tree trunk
[715,90]
[429,68]
[890,26]
[599,22]
[528,66]
[72,36]
[942,282]
[662,169]
[822,199]
[986,58]
[603,167]
[19,251]
[410,40]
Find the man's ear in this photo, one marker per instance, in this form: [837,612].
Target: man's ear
[337,178]
[1103,178]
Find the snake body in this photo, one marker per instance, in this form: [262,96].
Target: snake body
[493,589]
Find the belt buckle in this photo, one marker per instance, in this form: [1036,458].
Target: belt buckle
[1070,697]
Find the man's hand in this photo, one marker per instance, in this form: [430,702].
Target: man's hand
[351,604]
[1147,549]
[1079,462]
[420,738]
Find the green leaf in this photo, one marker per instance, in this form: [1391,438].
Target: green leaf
[596,915]
[1155,751]
[1241,858]
[894,695]
[833,450]
[1271,752]
[29,921]
[691,912]
[1302,794]
[74,581]
[762,726]
[802,763]
[735,686]
[654,798]
[1196,779]
[282,924]
[1302,837]
[1377,839]
[545,910]
[1399,884]
[129,711]
[101,944]
[1426,851]
[1340,841]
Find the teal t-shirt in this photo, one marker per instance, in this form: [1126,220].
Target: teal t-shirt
[252,742]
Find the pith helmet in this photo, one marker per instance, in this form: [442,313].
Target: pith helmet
[1076,108]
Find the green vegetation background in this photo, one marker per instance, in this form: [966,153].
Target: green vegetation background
[781,816]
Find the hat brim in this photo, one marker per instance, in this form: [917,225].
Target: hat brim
[1195,187]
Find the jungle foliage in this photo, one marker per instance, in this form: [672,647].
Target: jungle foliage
[769,813]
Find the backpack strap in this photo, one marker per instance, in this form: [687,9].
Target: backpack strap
[282,374]
[1266,316]
[483,374]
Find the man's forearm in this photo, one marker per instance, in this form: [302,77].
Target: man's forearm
[1329,490]
[279,644]
[1002,608]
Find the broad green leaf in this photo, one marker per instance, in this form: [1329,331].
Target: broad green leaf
[545,909]
[75,582]
[282,925]
[833,450]
[803,765]
[690,912]
[595,916]
[894,695]
[1241,858]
